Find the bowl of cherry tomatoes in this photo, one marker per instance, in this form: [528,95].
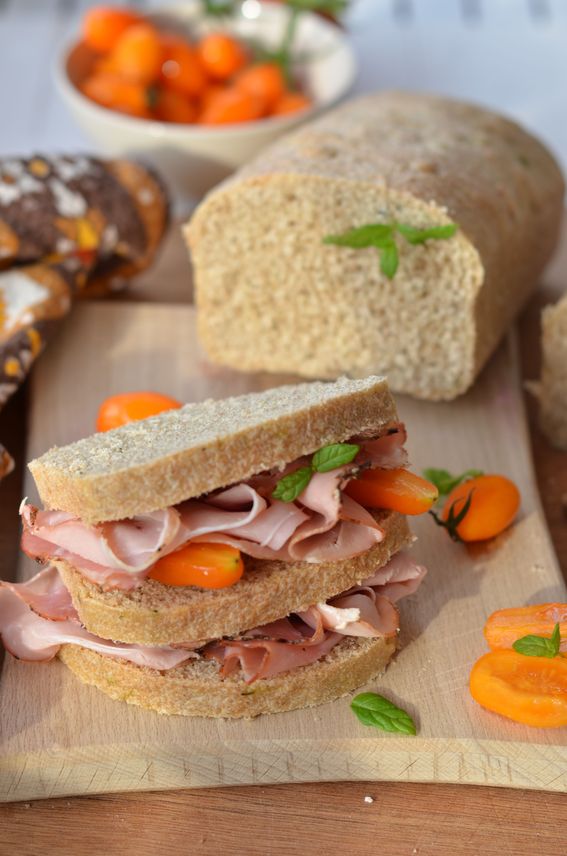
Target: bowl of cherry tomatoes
[199,95]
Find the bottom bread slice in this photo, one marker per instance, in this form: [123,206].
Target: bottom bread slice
[197,689]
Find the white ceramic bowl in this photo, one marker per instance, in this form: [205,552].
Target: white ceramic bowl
[193,158]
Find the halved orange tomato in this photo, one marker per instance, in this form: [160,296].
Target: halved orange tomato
[398,490]
[130,407]
[211,566]
[506,626]
[531,690]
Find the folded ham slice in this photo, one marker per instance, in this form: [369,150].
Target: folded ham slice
[365,610]
[30,637]
[37,617]
[322,525]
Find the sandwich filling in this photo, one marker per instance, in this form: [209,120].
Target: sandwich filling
[323,523]
[38,617]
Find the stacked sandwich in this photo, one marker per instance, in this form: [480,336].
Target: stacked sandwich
[218,560]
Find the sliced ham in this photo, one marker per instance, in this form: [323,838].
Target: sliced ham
[401,577]
[265,658]
[37,617]
[30,637]
[386,452]
[364,611]
[45,594]
[322,525]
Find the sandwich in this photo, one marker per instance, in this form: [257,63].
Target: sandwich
[227,559]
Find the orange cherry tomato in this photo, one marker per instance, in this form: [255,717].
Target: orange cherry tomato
[230,106]
[209,94]
[103,26]
[221,55]
[110,90]
[138,54]
[171,106]
[494,504]
[398,490]
[506,626]
[291,102]
[210,566]
[181,68]
[130,407]
[264,81]
[531,690]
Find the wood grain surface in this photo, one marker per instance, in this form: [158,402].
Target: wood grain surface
[404,818]
[60,737]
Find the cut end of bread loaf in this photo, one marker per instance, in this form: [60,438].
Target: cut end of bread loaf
[294,303]
[155,614]
[552,391]
[196,688]
[180,454]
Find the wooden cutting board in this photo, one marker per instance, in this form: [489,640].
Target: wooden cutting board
[59,737]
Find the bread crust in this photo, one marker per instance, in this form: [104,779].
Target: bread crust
[196,689]
[553,388]
[184,453]
[155,614]
[296,304]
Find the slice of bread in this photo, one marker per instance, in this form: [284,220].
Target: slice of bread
[553,388]
[156,614]
[294,303]
[184,453]
[196,689]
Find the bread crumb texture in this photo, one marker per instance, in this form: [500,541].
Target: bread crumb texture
[179,454]
[196,688]
[553,388]
[272,296]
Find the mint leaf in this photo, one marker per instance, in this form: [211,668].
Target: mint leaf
[539,646]
[331,7]
[444,481]
[381,236]
[419,236]
[375,710]
[289,488]
[330,457]
[371,235]
[389,258]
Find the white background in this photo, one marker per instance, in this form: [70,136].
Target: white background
[508,54]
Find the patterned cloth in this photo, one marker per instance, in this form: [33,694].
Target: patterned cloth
[70,226]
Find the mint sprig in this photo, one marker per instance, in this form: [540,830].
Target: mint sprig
[444,481]
[539,646]
[375,710]
[324,460]
[381,236]
[433,233]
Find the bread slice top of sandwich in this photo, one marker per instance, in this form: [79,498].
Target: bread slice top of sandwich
[182,454]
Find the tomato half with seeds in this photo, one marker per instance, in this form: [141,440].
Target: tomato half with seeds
[210,566]
[130,407]
[506,626]
[396,490]
[530,690]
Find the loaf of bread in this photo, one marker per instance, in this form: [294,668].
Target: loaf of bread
[553,387]
[272,295]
